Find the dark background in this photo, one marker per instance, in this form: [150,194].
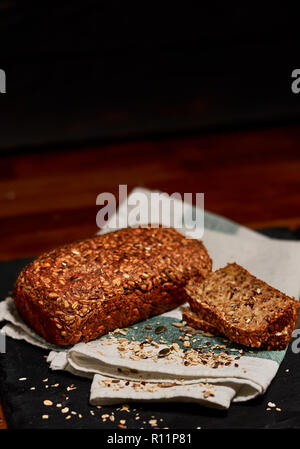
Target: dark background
[180,97]
[94,71]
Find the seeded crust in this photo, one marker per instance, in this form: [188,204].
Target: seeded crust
[243,308]
[83,290]
[276,341]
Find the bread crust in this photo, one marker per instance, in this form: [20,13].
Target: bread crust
[285,317]
[80,291]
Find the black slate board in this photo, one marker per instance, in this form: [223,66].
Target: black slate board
[24,407]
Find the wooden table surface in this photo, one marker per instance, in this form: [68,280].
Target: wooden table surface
[49,197]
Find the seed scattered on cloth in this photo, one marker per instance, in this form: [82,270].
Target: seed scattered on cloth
[178,324]
[164,352]
[176,347]
[160,329]
[47,402]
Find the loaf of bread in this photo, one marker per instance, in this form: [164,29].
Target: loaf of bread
[83,290]
[234,303]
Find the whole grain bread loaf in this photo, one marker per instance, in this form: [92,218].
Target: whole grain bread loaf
[243,308]
[83,290]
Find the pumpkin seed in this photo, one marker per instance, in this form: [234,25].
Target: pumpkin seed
[160,329]
[164,352]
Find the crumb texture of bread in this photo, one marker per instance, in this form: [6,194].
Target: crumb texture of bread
[275,341]
[193,320]
[83,290]
[242,307]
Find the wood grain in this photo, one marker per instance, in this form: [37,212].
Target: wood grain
[3,423]
[48,198]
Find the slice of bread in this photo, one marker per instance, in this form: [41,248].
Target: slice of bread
[243,308]
[193,320]
[276,341]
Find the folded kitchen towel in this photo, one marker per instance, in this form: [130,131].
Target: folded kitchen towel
[159,359]
[162,360]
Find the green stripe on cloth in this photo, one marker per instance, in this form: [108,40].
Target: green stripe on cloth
[139,332]
[216,223]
